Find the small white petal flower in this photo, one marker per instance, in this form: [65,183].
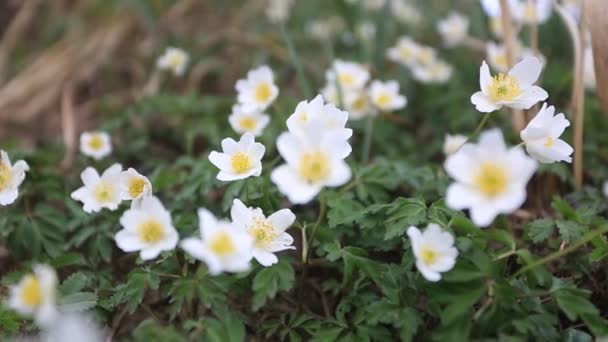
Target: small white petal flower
[34,295]
[11,177]
[541,137]
[405,12]
[174,60]
[147,228]
[277,11]
[425,55]
[243,121]
[257,91]
[323,116]
[349,75]
[453,29]
[532,12]
[134,186]
[221,246]
[385,96]
[268,234]
[74,326]
[358,105]
[96,145]
[99,192]
[325,29]
[404,52]
[589,68]
[453,143]
[436,72]
[514,90]
[496,55]
[489,178]
[434,251]
[239,160]
[366,30]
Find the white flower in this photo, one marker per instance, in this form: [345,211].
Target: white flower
[496,26]
[11,177]
[434,251]
[404,52]
[221,246]
[95,144]
[147,228]
[239,160]
[268,234]
[589,68]
[514,90]
[349,75]
[405,12]
[252,121]
[496,55]
[358,105]
[277,11]
[174,60]
[385,96]
[366,30]
[74,326]
[134,186]
[314,159]
[325,28]
[492,7]
[425,55]
[489,179]
[434,72]
[258,90]
[453,29]
[34,295]
[530,12]
[99,192]
[326,117]
[541,136]
[453,143]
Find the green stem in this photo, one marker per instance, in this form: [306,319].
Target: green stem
[322,208]
[293,55]
[482,123]
[588,237]
[367,140]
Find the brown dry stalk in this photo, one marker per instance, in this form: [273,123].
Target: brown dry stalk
[518,120]
[16,30]
[68,125]
[596,13]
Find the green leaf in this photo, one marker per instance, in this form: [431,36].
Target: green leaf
[540,230]
[574,305]
[268,281]
[78,301]
[74,283]
[570,230]
[403,213]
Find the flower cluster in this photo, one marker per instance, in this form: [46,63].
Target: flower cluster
[422,60]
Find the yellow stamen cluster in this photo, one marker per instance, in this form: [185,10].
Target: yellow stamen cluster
[248,123]
[104,192]
[240,162]
[314,166]
[5,175]
[262,231]
[136,186]
[263,92]
[96,142]
[491,179]
[428,255]
[347,79]
[504,88]
[150,231]
[383,99]
[549,142]
[31,291]
[222,244]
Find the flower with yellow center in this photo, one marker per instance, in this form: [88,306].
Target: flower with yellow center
[358,104]
[244,121]
[134,186]
[11,177]
[514,90]
[434,251]
[258,91]
[268,233]
[489,178]
[404,52]
[349,75]
[222,246]
[96,145]
[532,11]
[174,60]
[34,295]
[100,192]
[542,137]
[435,72]
[238,160]
[147,228]
[385,96]
[314,166]
[453,29]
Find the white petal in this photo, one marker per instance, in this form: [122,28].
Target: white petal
[483,104]
[128,241]
[265,258]
[427,273]
[340,173]
[527,71]
[290,185]
[282,219]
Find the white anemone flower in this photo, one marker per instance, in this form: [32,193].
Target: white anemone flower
[489,178]
[434,251]
[385,96]
[268,233]
[174,60]
[327,116]
[96,145]
[358,105]
[452,143]
[147,228]
[11,177]
[277,11]
[221,246]
[99,192]
[405,12]
[453,29]
[74,326]
[514,90]
[35,294]
[532,12]
[239,160]
[436,72]
[134,186]
[253,121]
[257,91]
[541,137]
[349,75]
[405,52]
